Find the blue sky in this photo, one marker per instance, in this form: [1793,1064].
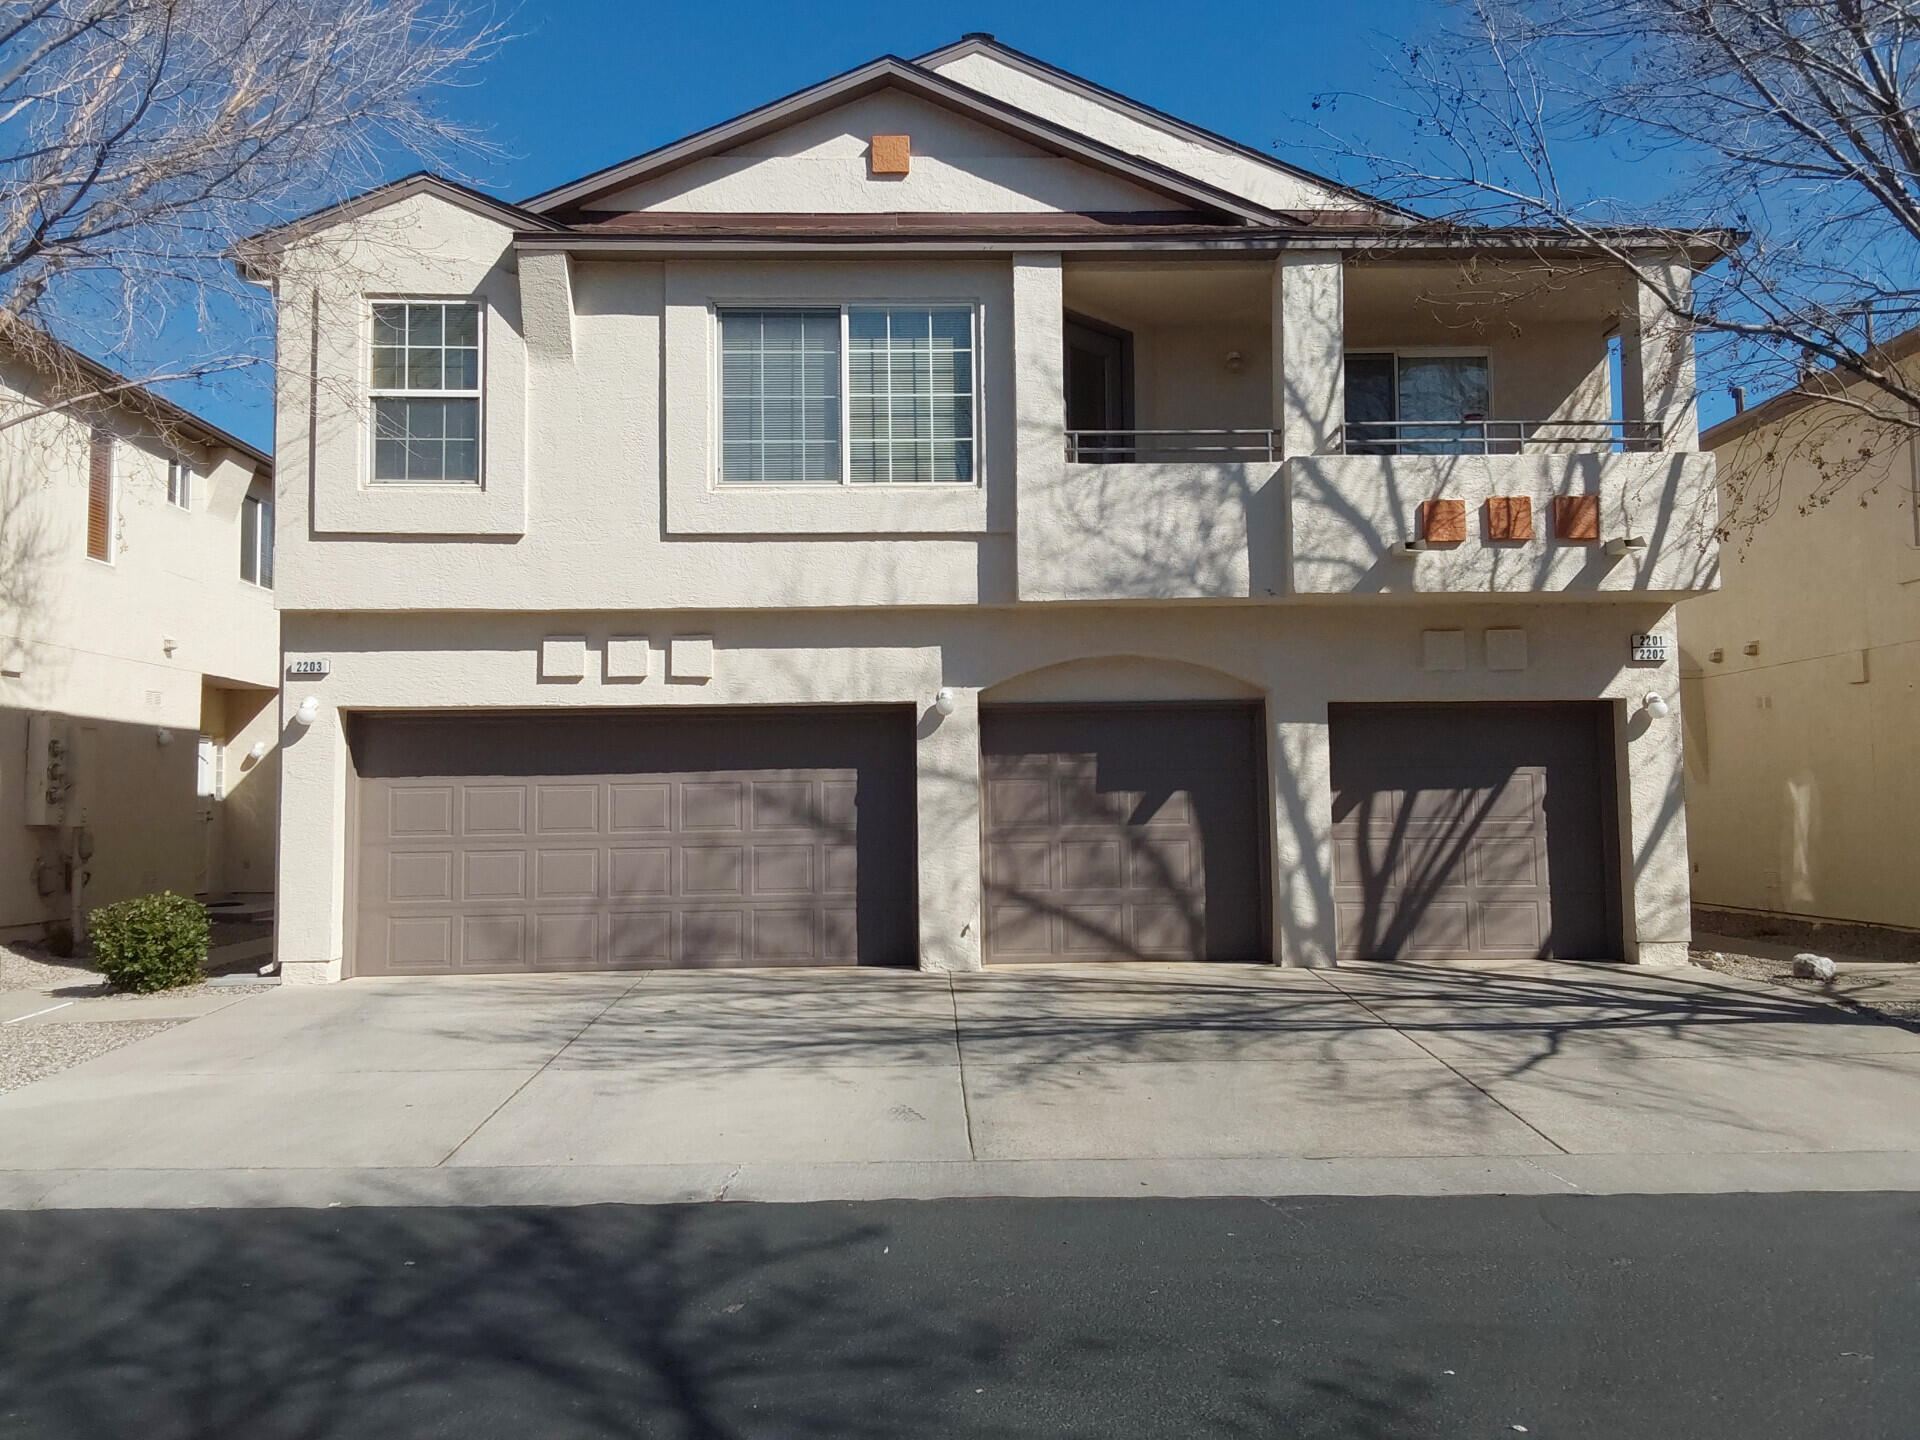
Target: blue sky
[589,82]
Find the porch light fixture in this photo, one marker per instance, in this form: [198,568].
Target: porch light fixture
[308,710]
[163,736]
[1656,705]
[944,701]
[257,751]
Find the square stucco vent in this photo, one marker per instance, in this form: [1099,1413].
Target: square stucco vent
[690,657]
[1507,649]
[563,657]
[1443,649]
[890,154]
[627,657]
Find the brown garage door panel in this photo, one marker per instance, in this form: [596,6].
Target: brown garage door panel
[1123,832]
[1473,830]
[591,843]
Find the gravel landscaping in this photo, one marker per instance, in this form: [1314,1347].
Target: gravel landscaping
[1852,992]
[28,967]
[35,1051]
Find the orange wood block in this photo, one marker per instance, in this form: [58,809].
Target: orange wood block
[1443,522]
[1509,517]
[1576,517]
[890,154]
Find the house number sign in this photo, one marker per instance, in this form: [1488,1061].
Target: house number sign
[308,667]
[1650,647]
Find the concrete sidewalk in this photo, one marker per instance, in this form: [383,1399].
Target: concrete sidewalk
[1405,1079]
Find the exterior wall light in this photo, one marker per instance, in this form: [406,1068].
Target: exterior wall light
[944,701]
[1656,705]
[163,736]
[308,710]
[257,751]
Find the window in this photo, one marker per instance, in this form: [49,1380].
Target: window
[901,376]
[256,540]
[100,497]
[1414,404]
[180,484]
[426,393]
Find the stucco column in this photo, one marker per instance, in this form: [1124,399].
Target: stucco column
[947,785]
[1039,397]
[1309,351]
[1660,908]
[310,905]
[1300,775]
[1656,358]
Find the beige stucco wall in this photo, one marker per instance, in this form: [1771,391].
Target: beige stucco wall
[1803,760]
[122,652]
[1300,659]
[820,164]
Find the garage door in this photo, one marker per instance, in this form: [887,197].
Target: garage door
[606,842]
[1123,833]
[1473,830]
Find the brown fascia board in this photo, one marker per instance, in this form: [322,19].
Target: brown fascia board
[1789,402]
[256,248]
[120,392]
[1145,113]
[875,75]
[1399,242]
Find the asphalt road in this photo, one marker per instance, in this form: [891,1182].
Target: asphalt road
[1747,1316]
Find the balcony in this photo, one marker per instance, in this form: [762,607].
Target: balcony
[1243,430]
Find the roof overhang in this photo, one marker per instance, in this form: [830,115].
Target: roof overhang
[255,255]
[891,72]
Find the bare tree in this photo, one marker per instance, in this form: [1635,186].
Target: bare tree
[1781,147]
[140,140]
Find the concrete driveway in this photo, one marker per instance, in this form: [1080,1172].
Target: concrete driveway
[1412,1079]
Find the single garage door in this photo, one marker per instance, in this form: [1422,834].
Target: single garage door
[619,841]
[1123,832]
[1474,830]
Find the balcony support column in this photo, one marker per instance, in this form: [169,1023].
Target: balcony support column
[1656,356]
[1309,333]
[1039,401]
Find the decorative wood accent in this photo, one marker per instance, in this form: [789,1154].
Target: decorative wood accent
[1443,522]
[1576,517]
[100,496]
[1509,517]
[889,154]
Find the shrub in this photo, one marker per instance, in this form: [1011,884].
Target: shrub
[154,942]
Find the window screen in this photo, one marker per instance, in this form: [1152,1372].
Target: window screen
[426,393]
[780,396]
[910,394]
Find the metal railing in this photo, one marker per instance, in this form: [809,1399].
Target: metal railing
[1146,447]
[1495,437]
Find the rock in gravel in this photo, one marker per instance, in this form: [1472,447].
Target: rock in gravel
[1813,967]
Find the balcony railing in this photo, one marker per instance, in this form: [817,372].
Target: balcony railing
[1152,447]
[1497,437]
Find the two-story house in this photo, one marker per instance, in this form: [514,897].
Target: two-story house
[958,515]
[139,646]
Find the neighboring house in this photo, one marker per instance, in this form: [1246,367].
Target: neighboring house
[1802,675]
[139,647]
[959,515]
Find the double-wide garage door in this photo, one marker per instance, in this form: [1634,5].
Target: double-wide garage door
[601,841]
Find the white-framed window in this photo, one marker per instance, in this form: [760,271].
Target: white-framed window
[424,392]
[256,540]
[858,394]
[180,484]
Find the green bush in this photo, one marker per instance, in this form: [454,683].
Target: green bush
[151,943]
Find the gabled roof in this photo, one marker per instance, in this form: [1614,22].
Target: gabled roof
[420,182]
[108,387]
[890,71]
[981,43]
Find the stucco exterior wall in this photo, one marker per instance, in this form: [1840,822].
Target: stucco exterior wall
[1803,759]
[821,165]
[1300,660]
